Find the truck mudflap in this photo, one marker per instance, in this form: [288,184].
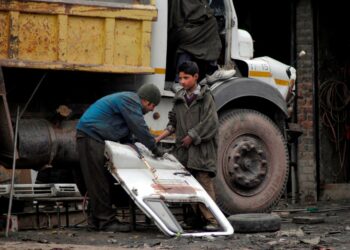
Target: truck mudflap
[153,184]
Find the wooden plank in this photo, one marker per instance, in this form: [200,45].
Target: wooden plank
[109,40]
[81,67]
[4,34]
[62,37]
[146,43]
[13,39]
[38,37]
[127,46]
[124,11]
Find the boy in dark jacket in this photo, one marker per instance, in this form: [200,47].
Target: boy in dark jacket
[194,121]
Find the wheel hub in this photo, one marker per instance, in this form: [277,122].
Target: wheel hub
[246,165]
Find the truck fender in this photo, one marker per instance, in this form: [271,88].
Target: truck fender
[245,87]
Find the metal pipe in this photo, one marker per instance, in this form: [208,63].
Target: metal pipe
[294,183]
[294,146]
[13,175]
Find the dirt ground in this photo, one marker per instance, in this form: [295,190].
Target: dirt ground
[333,233]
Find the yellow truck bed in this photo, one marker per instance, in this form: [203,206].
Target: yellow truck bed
[100,36]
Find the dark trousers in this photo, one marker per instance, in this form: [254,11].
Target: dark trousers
[97,180]
[206,181]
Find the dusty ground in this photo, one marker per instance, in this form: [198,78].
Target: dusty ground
[334,233]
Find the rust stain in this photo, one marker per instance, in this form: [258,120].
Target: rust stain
[173,189]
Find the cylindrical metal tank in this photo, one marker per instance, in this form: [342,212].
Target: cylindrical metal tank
[41,143]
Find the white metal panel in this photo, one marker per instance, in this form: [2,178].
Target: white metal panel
[170,183]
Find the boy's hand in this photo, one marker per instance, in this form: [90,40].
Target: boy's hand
[157,139]
[186,141]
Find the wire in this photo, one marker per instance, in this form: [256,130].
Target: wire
[334,99]
[33,93]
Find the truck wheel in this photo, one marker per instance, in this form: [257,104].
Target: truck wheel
[252,162]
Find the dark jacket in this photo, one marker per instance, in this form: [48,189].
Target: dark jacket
[193,29]
[200,121]
[116,117]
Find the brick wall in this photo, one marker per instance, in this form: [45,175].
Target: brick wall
[306,171]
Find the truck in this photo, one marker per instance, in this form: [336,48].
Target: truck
[59,56]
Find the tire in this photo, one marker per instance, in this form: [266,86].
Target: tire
[255,223]
[252,163]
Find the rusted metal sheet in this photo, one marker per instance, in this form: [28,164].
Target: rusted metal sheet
[76,35]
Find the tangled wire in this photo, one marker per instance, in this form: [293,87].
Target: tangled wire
[334,99]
